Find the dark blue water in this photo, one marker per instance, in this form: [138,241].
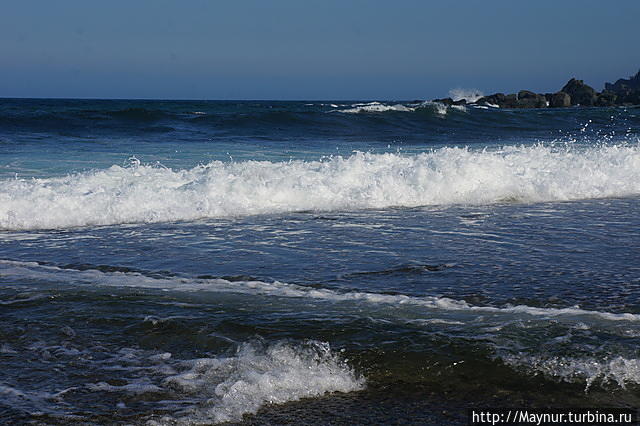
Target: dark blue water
[168,262]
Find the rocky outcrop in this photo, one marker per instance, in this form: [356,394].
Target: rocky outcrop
[560,100]
[581,94]
[523,99]
[626,91]
[449,101]
[623,92]
[606,98]
[527,99]
[624,85]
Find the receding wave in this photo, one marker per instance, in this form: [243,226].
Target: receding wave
[33,270]
[145,194]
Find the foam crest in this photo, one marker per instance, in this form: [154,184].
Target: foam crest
[376,107]
[471,95]
[258,375]
[34,271]
[617,370]
[144,194]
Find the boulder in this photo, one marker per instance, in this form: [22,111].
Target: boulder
[624,85]
[560,100]
[446,101]
[495,99]
[581,94]
[630,97]
[527,99]
[606,98]
[510,100]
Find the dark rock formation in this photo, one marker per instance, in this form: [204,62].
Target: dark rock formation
[623,92]
[524,99]
[624,85]
[449,101]
[560,100]
[581,94]
[527,99]
[446,101]
[606,98]
[495,99]
[627,91]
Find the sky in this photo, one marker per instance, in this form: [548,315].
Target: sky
[308,49]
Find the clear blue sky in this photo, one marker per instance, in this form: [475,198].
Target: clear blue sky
[308,49]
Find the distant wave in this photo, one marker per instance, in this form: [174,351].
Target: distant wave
[376,107]
[144,194]
[471,95]
[373,107]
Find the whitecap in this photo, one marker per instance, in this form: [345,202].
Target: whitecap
[146,194]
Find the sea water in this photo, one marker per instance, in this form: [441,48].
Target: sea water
[191,262]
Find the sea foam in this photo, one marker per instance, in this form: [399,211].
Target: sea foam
[145,194]
[258,374]
[430,304]
[470,95]
[616,370]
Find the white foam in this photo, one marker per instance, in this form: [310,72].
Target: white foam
[471,95]
[617,370]
[142,193]
[376,107]
[258,375]
[215,389]
[33,271]
[439,108]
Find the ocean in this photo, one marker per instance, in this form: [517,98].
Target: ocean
[258,262]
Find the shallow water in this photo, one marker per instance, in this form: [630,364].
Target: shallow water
[172,262]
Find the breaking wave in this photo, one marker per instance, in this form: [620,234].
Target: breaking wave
[471,95]
[200,391]
[257,375]
[617,371]
[146,194]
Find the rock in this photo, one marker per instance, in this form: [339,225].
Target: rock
[560,100]
[606,98]
[525,94]
[527,99]
[445,101]
[631,97]
[460,102]
[524,99]
[581,94]
[624,85]
[510,101]
[495,99]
